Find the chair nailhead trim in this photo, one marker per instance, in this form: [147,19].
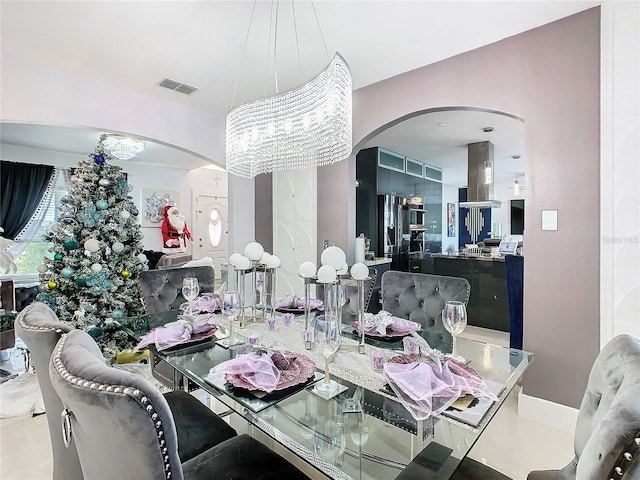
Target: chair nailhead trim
[119,389]
[628,456]
[637,440]
[619,471]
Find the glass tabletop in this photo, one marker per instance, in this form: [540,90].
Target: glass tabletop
[363,433]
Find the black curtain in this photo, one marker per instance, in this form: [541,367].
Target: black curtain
[22,186]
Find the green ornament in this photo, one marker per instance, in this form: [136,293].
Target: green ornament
[58,256]
[70,244]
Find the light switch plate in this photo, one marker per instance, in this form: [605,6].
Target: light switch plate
[549,219]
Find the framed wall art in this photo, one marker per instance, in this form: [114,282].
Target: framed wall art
[451,219]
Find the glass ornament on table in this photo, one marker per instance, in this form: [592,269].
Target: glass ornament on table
[454,319]
[231,307]
[190,291]
[327,337]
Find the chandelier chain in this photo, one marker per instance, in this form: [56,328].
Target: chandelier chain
[244,51]
[295,30]
[326,50]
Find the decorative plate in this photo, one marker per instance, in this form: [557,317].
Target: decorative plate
[294,370]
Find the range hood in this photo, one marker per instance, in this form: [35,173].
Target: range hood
[480,176]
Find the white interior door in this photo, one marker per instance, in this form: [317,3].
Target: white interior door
[210,228]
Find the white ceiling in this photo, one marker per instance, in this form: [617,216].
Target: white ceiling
[135,44]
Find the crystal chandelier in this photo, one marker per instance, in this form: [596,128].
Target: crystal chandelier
[123,148]
[309,126]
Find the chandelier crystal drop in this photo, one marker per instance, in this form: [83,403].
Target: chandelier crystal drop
[309,126]
[123,148]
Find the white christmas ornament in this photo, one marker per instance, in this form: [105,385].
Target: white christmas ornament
[96,268]
[74,178]
[307,269]
[343,270]
[326,274]
[359,271]
[253,251]
[55,227]
[42,268]
[92,245]
[124,214]
[273,261]
[118,247]
[333,256]
[142,258]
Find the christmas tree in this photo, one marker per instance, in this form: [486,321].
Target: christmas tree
[90,274]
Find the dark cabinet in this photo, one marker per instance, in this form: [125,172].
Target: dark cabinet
[381,172]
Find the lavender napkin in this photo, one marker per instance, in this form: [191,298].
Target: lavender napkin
[383,323]
[428,388]
[177,332]
[300,303]
[204,303]
[257,369]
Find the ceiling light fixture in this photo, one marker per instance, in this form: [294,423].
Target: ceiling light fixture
[310,126]
[123,148]
[488,167]
[517,188]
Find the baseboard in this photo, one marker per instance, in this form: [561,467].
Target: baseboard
[548,413]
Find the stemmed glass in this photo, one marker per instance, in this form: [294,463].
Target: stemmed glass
[330,441]
[230,308]
[326,335]
[190,291]
[454,318]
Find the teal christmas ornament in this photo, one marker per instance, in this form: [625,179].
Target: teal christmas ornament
[102,204]
[70,244]
[81,281]
[58,256]
[96,333]
[117,314]
[67,272]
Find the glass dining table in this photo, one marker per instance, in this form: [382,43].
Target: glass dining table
[364,432]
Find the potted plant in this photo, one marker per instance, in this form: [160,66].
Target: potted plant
[7,334]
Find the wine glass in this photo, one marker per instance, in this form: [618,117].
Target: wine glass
[190,291]
[326,336]
[454,318]
[230,308]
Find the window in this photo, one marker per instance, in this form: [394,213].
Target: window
[34,252]
[215,227]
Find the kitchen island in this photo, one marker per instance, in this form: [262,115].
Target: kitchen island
[488,303]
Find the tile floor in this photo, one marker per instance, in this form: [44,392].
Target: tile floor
[511,444]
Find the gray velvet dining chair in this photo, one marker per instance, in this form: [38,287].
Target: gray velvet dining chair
[123,427]
[607,435]
[420,297]
[198,427]
[40,330]
[160,291]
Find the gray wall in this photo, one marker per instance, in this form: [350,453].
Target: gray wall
[550,77]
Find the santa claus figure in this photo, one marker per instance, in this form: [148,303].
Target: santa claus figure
[174,231]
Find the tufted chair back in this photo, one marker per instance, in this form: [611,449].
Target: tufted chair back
[121,424]
[607,437]
[420,297]
[161,289]
[40,330]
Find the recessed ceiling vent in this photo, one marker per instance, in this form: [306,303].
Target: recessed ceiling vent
[177,86]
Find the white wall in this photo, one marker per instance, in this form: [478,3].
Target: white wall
[620,170]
